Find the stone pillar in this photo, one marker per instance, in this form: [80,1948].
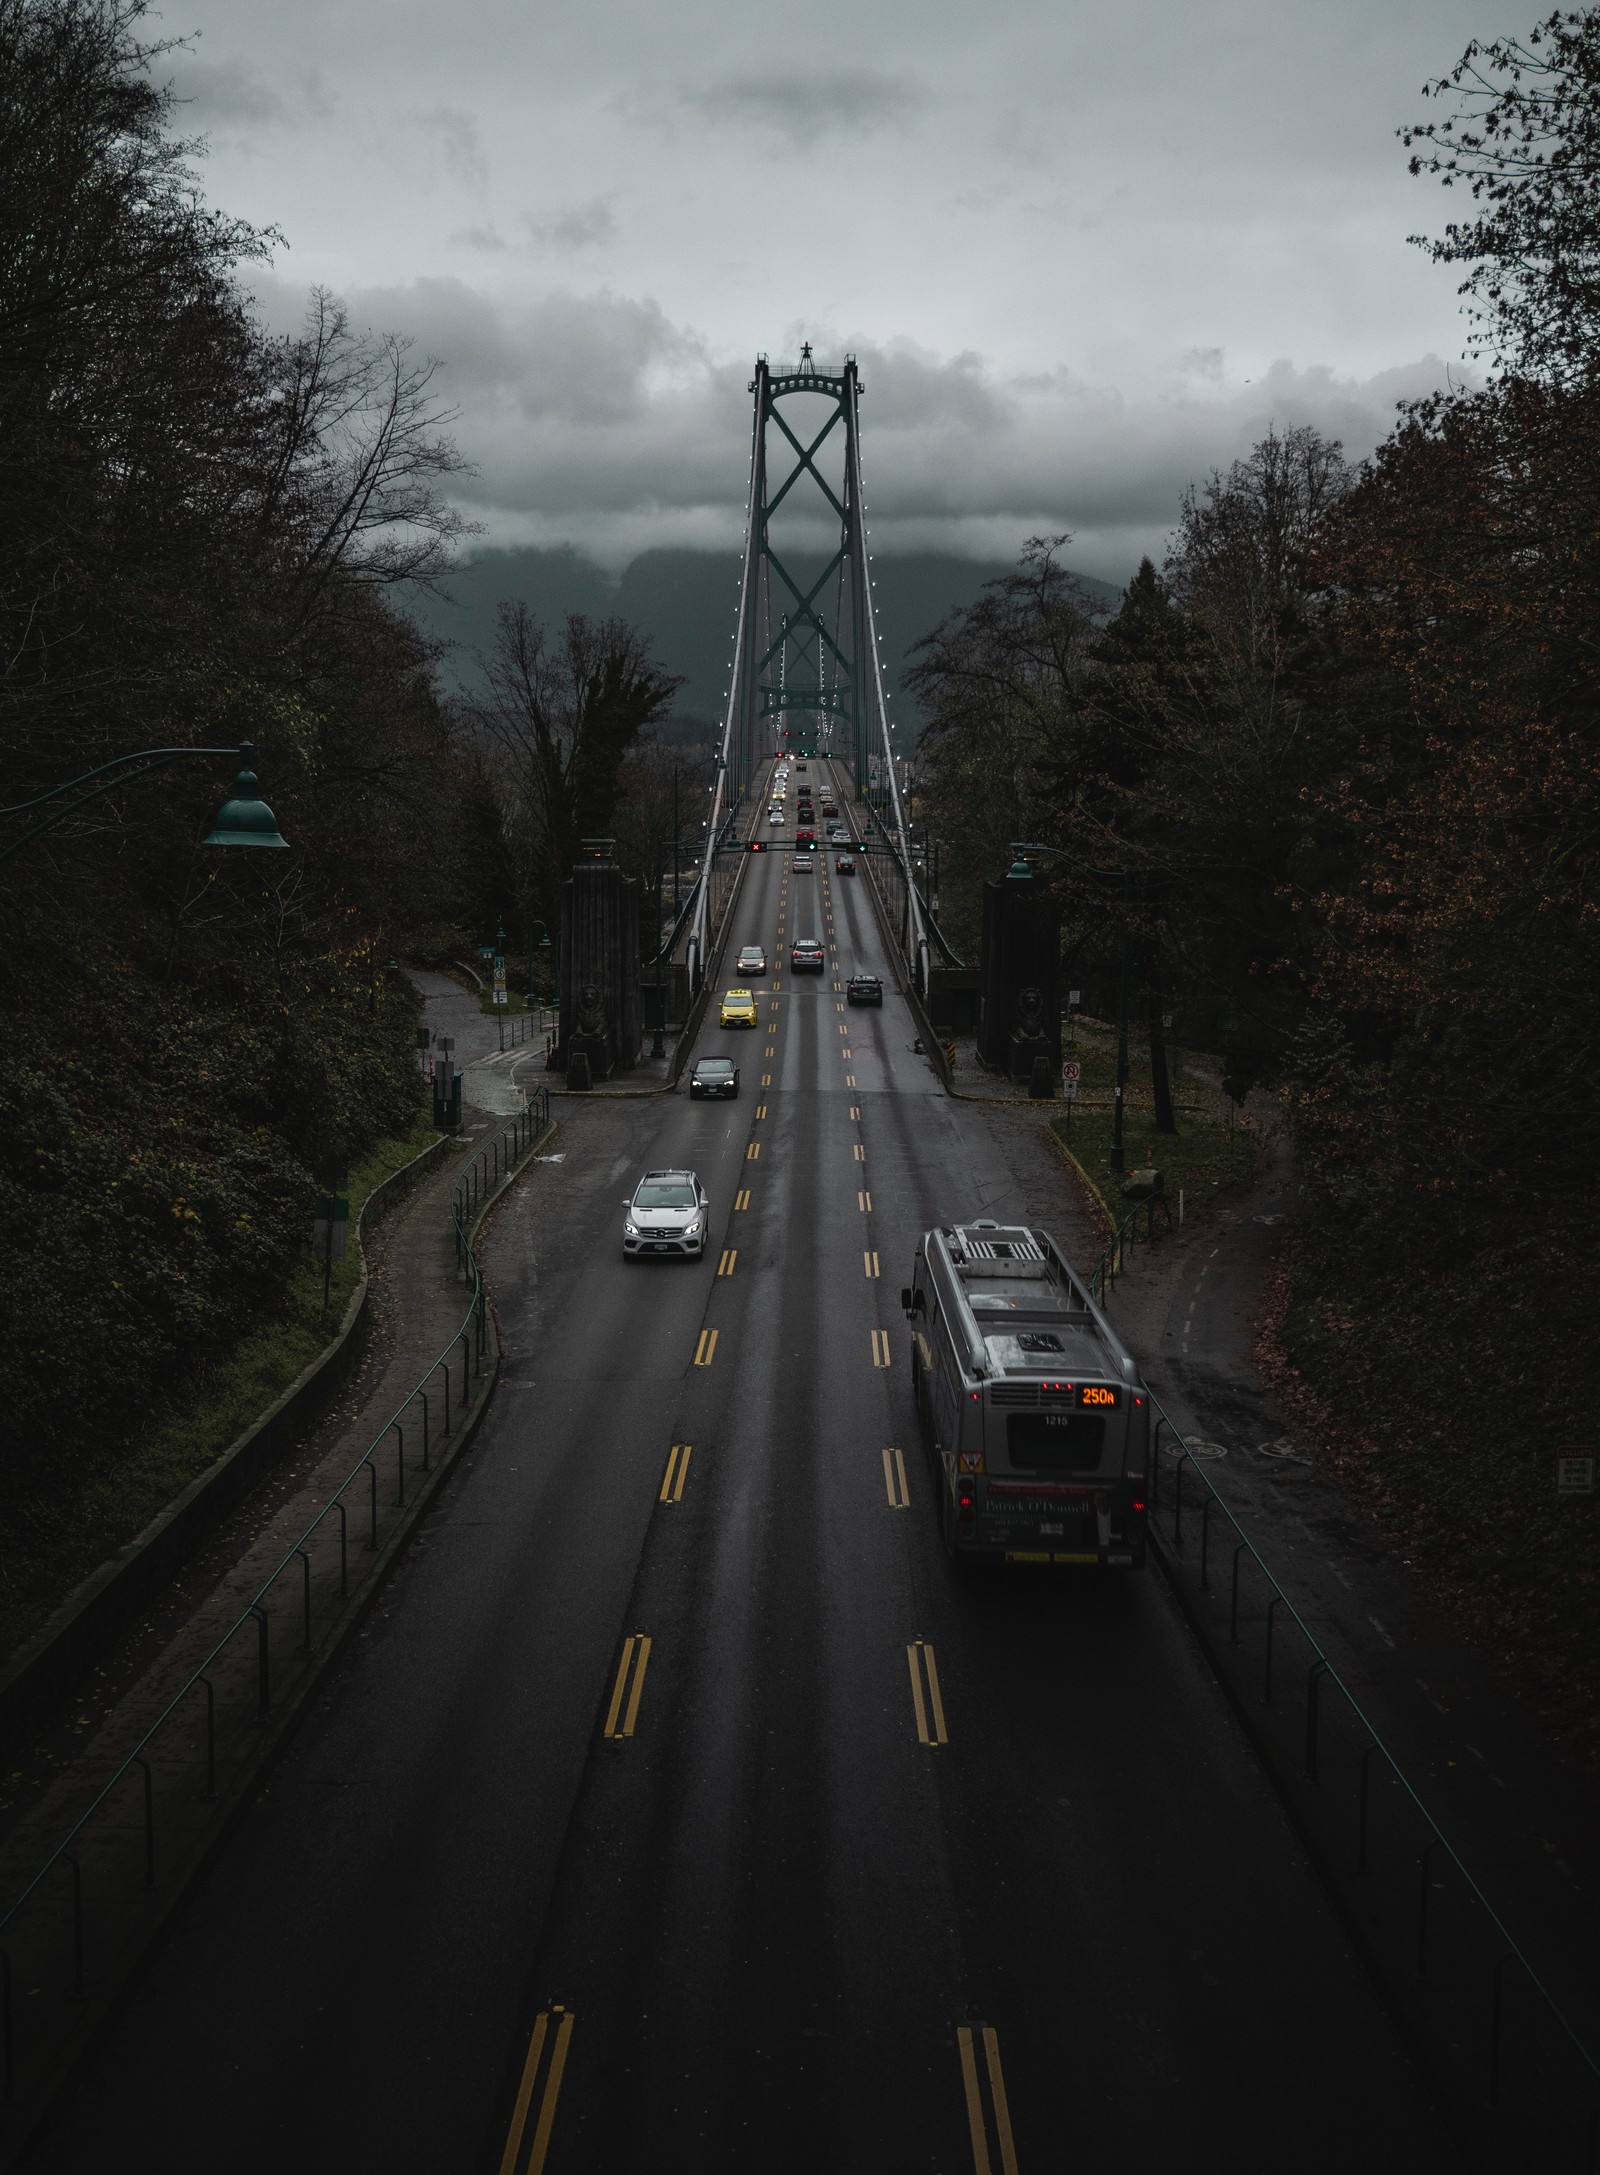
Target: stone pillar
[1021,977]
[601,1012]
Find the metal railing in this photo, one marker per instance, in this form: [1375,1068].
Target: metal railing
[432,1412]
[519,1027]
[1489,2021]
[1110,1265]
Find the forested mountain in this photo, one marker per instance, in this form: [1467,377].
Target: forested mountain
[687,603]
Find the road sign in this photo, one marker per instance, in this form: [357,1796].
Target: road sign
[1071,1070]
[1575,1472]
[1069,1089]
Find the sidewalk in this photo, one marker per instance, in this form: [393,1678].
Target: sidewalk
[417,1304]
[1525,1825]
[495,1082]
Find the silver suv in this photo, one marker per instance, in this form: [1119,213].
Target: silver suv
[667,1215]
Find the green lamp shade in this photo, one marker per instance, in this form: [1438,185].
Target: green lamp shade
[1020,871]
[245,820]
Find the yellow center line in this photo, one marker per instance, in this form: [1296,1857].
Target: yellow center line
[860,1153]
[706,1350]
[677,1472]
[969,2085]
[519,2113]
[766,1079]
[941,1735]
[850,1080]
[930,1713]
[880,1348]
[741,1200]
[864,1203]
[620,1686]
[894,1480]
[997,2091]
[855,1110]
[644,1662]
[729,1257]
[761,1110]
[752,1151]
[871,1261]
[846,1053]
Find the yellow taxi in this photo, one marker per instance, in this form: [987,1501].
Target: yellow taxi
[738,1009]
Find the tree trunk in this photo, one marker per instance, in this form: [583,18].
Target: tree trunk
[1160,1079]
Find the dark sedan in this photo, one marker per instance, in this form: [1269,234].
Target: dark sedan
[846,864]
[863,989]
[714,1076]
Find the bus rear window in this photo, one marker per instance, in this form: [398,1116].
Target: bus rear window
[1066,1442]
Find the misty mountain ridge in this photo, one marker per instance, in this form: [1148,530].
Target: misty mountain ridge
[687,603]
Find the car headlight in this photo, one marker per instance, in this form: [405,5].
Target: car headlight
[629,1231]
[692,1231]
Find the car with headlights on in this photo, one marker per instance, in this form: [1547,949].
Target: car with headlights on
[738,1009]
[667,1215]
[752,960]
[714,1078]
[863,989]
[806,955]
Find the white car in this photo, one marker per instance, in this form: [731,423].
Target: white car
[668,1214]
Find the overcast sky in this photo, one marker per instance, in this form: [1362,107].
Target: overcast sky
[1084,253]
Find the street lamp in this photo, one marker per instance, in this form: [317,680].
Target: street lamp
[1022,871]
[543,945]
[245,820]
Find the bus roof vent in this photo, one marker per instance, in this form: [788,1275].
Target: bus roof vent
[1012,1249]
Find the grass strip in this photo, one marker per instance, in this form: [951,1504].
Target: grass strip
[189,1430]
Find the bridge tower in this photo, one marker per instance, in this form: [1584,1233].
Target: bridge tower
[806,671]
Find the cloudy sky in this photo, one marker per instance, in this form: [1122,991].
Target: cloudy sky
[1083,253]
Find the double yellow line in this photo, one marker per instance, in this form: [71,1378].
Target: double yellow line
[997,2115]
[926,1697]
[558,2041]
[630,1682]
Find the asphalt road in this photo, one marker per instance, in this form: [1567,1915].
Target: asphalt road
[528,1894]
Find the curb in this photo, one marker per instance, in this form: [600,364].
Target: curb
[71,1637]
[236,1797]
[1098,1207]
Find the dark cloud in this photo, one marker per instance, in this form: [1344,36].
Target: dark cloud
[578,226]
[802,103]
[595,420]
[453,134]
[231,95]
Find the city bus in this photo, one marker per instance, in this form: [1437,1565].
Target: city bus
[1035,1416]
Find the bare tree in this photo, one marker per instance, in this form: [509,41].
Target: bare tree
[565,715]
[356,454]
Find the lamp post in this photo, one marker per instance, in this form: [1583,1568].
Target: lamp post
[244,820]
[543,946]
[1021,871]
